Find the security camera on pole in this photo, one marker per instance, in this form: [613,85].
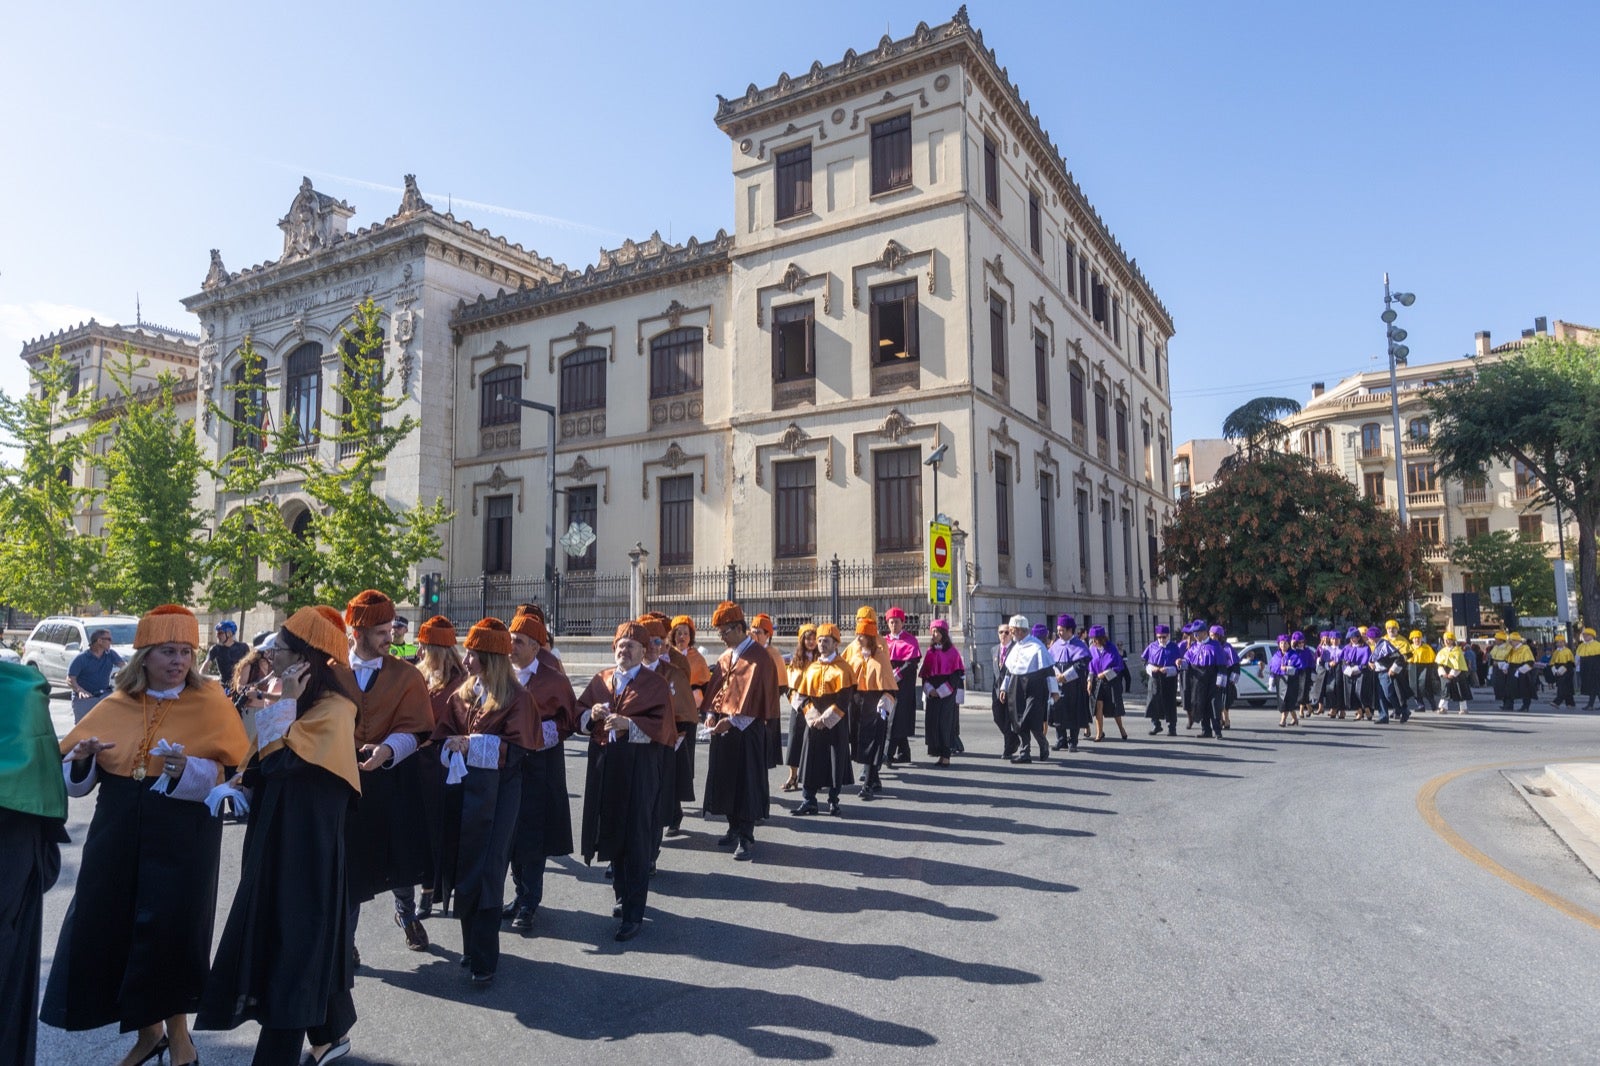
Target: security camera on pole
[1397,356]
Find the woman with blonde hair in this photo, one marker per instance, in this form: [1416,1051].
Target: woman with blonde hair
[489,726]
[439,660]
[805,652]
[871,702]
[136,943]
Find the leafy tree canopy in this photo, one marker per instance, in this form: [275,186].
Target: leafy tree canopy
[1504,558]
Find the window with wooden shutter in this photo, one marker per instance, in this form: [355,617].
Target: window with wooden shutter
[793,180]
[891,153]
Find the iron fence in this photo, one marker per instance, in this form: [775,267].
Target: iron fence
[793,594]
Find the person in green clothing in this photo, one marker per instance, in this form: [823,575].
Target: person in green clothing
[33,812]
[402,646]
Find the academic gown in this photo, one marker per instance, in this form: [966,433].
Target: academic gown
[686,717]
[386,844]
[744,684]
[1162,704]
[1071,708]
[292,881]
[136,943]
[941,714]
[432,774]
[33,809]
[1027,675]
[1587,655]
[869,730]
[823,691]
[904,655]
[544,826]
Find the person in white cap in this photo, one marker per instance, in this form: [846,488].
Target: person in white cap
[1027,685]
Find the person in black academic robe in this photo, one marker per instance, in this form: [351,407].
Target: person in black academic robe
[739,701]
[544,824]
[33,809]
[300,782]
[627,713]
[1028,684]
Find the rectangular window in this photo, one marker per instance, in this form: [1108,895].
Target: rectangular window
[1127,552]
[991,171]
[676,361]
[582,507]
[1372,486]
[1099,309]
[1434,580]
[1076,399]
[897,500]
[1002,505]
[1122,436]
[677,520]
[1526,483]
[1083,282]
[1158,368]
[1047,519]
[1469,582]
[891,153]
[1102,423]
[1083,535]
[1116,321]
[1427,529]
[1035,225]
[583,380]
[997,336]
[1419,478]
[1105,541]
[1161,458]
[498,393]
[794,354]
[1041,373]
[1475,490]
[497,535]
[793,180]
[1477,527]
[1141,347]
[1531,527]
[1072,270]
[795,508]
[894,323]
[1151,545]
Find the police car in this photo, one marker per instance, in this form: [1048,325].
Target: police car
[1254,686]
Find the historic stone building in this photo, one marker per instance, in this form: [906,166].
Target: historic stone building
[1350,429]
[417,264]
[915,303]
[94,351]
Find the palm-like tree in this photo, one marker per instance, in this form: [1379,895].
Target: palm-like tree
[1258,427]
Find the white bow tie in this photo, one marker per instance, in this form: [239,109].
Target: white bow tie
[365,664]
[166,693]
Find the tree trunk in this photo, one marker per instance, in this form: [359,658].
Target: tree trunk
[1588,580]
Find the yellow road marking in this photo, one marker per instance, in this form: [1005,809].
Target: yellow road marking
[1428,807]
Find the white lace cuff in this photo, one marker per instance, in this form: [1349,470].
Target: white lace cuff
[552,735]
[483,751]
[404,745]
[273,721]
[83,787]
[199,777]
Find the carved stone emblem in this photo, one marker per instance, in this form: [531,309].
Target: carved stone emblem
[217,275]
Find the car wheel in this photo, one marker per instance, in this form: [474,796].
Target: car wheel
[1255,703]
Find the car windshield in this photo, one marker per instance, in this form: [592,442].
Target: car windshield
[121,632]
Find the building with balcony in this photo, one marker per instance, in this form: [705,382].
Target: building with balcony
[1195,464]
[910,267]
[1349,429]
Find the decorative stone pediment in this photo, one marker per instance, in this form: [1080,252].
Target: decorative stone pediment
[315,220]
[795,441]
[896,429]
[674,459]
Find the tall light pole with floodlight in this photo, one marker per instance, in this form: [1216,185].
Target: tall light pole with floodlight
[1397,357]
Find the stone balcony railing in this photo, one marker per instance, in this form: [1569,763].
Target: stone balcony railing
[1425,499]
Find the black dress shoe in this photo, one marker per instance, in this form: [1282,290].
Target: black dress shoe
[833,808]
[1061,745]
[482,981]
[510,910]
[1156,732]
[523,920]
[1073,747]
[416,935]
[629,930]
[865,793]
[616,909]
[808,807]
[337,1050]
[744,852]
[675,831]
[1023,758]
[1172,732]
[726,840]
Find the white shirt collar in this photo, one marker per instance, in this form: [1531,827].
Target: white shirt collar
[364,664]
[165,693]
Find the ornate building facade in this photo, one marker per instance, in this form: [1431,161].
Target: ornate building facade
[917,310]
[416,264]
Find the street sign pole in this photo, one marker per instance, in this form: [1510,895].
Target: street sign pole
[940,565]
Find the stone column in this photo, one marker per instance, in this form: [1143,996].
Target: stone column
[636,558]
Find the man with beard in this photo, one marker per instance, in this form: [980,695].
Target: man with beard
[386,834]
[739,701]
[627,712]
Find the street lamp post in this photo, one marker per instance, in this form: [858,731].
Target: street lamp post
[550,496]
[1397,356]
[932,462]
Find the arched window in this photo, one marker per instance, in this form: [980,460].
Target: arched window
[498,393]
[302,392]
[349,355]
[675,362]
[1418,429]
[1371,441]
[249,381]
[583,380]
[1102,427]
[1318,444]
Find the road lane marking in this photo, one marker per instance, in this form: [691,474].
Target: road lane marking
[1428,807]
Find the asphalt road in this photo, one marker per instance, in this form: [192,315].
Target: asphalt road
[1275,897]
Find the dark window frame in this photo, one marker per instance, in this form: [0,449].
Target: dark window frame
[783,319]
[677,362]
[254,437]
[794,508]
[792,182]
[881,301]
[1041,370]
[1047,522]
[1002,505]
[583,505]
[891,153]
[302,392]
[497,534]
[503,381]
[897,500]
[675,513]
[1035,222]
[582,380]
[998,363]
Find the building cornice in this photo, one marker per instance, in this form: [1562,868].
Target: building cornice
[956,41]
[631,269]
[180,345]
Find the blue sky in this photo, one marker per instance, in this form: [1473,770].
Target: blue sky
[1265,162]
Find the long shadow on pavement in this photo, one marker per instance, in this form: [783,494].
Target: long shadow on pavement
[804,896]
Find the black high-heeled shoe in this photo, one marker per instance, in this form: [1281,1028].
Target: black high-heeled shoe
[157,1053]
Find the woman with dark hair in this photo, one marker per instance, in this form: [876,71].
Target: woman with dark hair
[943,691]
[136,942]
[298,784]
[904,655]
[1105,681]
[805,653]
[489,726]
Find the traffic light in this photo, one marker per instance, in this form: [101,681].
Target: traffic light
[430,592]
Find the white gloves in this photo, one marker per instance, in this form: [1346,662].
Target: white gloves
[456,765]
[214,798]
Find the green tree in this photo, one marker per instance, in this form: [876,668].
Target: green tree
[46,564]
[1278,533]
[1539,406]
[251,542]
[1256,427]
[152,533]
[359,540]
[1504,558]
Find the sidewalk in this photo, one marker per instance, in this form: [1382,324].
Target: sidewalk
[1567,797]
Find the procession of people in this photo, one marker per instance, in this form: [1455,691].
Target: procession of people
[363,776]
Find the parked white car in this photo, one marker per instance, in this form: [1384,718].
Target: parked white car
[1255,684]
[58,640]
